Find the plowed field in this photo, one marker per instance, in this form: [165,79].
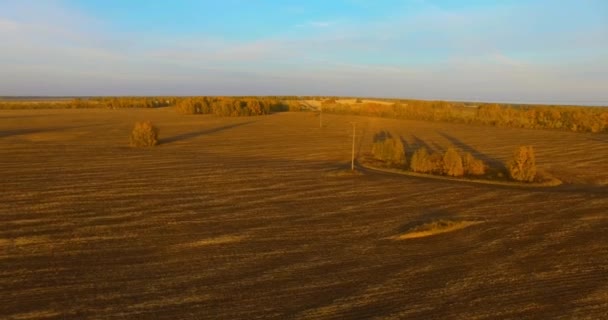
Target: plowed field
[242,218]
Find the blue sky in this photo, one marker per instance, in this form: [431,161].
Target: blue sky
[523,51]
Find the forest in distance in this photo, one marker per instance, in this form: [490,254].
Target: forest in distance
[561,117]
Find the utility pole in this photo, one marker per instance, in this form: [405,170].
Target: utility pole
[352,158]
[321,116]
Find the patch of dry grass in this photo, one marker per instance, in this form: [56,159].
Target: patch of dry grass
[435,227]
[344,173]
[43,314]
[225,239]
[23,241]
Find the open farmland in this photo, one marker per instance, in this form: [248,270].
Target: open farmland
[243,218]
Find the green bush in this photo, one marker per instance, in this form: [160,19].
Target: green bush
[144,134]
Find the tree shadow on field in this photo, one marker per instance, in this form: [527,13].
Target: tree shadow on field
[194,134]
[406,145]
[417,144]
[41,115]
[19,132]
[493,163]
[438,148]
[599,140]
[382,135]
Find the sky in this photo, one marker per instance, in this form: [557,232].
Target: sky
[538,51]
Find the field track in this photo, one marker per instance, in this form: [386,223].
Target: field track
[241,218]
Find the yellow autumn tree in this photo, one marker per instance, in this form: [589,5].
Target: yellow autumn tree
[523,165]
[144,134]
[452,163]
[473,166]
[389,150]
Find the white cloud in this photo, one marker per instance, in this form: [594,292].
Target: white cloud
[8,25]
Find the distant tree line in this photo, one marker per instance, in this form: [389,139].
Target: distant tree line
[235,106]
[92,102]
[577,119]
[44,104]
[131,102]
[572,118]
[221,106]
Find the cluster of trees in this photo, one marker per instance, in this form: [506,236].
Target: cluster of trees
[451,163]
[391,151]
[577,119]
[234,106]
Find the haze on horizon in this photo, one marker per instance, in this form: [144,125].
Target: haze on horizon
[537,51]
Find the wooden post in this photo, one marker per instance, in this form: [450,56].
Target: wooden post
[352,158]
[321,116]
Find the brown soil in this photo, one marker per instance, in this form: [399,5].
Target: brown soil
[242,218]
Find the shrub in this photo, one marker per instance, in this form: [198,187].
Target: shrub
[144,134]
[523,165]
[473,166]
[420,161]
[452,163]
[398,158]
[435,163]
[389,150]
